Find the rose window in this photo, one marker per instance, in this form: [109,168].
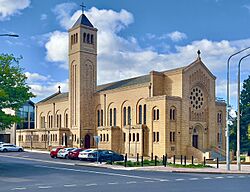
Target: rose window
[196,98]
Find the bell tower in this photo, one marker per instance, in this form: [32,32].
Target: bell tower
[82,80]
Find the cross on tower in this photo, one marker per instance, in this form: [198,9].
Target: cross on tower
[82,6]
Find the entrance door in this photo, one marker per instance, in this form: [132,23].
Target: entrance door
[195,141]
[87,141]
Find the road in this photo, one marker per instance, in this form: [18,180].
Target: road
[19,172]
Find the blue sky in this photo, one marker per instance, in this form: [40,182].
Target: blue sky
[134,37]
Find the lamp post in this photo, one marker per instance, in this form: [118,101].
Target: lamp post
[227,116]
[238,115]
[10,35]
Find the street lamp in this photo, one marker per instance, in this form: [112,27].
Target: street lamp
[227,116]
[238,115]
[10,35]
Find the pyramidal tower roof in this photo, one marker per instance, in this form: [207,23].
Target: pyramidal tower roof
[82,20]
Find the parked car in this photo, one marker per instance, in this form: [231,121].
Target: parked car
[1,143]
[86,154]
[74,153]
[54,151]
[63,153]
[103,155]
[10,147]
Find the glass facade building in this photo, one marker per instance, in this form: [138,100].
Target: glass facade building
[27,115]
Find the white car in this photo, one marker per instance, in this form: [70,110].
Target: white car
[85,154]
[63,153]
[10,147]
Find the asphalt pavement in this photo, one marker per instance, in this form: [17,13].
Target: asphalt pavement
[38,172]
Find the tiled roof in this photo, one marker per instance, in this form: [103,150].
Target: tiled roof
[124,83]
[55,97]
[82,20]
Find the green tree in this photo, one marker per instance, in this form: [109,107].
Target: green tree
[244,119]
[14,91]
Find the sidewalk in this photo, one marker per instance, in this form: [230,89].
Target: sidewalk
[245,169]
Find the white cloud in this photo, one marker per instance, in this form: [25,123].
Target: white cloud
[57,48]
[43,17]
[43,86]
[177,36]
[36,77]
[11,7]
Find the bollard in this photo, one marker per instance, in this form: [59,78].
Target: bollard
[181,159]
[204,159]
[155,160]
[174,159]
[125,160]
[152,156]
[137,157]
[217,160]
[192,160]
[166,159]
[142,161]
[163,160]
[185,160]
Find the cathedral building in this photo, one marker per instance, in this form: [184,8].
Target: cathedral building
[173,111]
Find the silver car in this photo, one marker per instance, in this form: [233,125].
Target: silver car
[10,147]
[63,153]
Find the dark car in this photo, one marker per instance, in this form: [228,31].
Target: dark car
[105,155]
[74,153]
[54,151]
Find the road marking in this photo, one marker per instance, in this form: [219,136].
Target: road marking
[179,179]
[241,176]
[164,180]
[91,184]
[44,187]
[70,185]
[149,181]
[230,176]
[98,172]
[131,182]
[207,178]
[113,183]
[192,179]
[19,188]
[219,177]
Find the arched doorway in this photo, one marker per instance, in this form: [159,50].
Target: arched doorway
[195,138]
[87,141]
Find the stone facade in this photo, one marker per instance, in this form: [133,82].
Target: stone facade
[173,112]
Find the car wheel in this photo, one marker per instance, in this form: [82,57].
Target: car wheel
[5,150]
[66,157]
[20,150]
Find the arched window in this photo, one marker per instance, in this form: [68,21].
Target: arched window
[101,117]
[84,37]
[144,114]
[156,114]
[92,39]
[66,120]
[140,114]
[110,117]
[219,117]
[98,118]
[71,40]
[76,37]
[172,113]
[124,116]
[129,115]
[114,116]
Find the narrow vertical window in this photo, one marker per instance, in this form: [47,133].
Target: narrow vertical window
[171,137]
[133,136]
[140,114]
[157,136]
[129,115]
[129,136]
[124,116]
[114,116]
[92,39]
[101,117]
[76,37]
[153,136]
[144,114]
[173,114]
[137,137]
[88,39]
[110,117]
[107,137]
[158,114]
[84,37]
[124,137]
[154,115]
[171,117]
[98,118]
